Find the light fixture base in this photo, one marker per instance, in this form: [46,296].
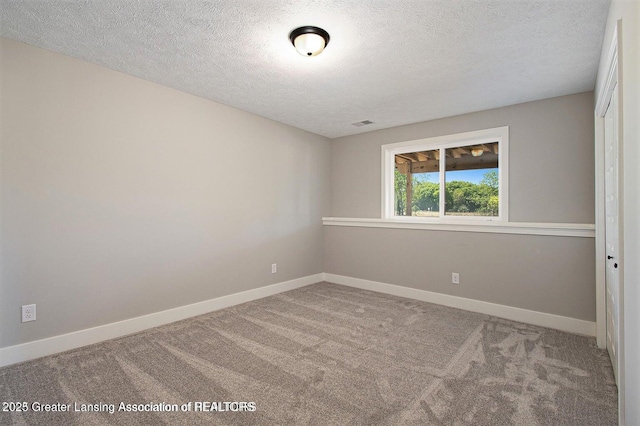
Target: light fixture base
[309,40]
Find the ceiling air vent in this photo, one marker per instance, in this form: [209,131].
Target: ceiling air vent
[362,123]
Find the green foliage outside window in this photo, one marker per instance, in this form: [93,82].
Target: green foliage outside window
[401,193]
[460,197]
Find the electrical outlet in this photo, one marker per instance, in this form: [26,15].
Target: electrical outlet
[28,313]
[274,268]
[455,278]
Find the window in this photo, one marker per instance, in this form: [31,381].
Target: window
[454,177]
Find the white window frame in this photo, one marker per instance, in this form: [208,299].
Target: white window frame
[389,151]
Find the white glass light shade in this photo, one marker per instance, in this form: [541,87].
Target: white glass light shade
[309,44]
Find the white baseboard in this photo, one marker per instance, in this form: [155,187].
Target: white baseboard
[542,319]
[76,339]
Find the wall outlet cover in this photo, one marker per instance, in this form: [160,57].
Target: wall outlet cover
[28,313]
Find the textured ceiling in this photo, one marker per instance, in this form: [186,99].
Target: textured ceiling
[391,62]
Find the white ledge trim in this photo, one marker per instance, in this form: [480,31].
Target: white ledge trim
[523,228]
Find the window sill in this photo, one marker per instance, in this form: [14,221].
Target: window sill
[522,228]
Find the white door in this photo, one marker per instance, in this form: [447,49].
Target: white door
[612,281]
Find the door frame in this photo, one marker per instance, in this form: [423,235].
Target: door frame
[603,98]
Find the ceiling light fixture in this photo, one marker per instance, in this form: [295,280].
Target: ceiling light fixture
[309,41]
[477,152]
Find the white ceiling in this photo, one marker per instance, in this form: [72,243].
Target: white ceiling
[391,62]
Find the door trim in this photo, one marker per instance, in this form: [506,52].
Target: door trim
[603,98]
[602,104]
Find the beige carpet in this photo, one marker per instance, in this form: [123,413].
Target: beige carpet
[321,355]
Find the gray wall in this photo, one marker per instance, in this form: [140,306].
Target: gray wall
[551,180]
[544,274]
[551,159]
[121,197]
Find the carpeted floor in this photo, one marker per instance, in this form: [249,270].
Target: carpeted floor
[321,355]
